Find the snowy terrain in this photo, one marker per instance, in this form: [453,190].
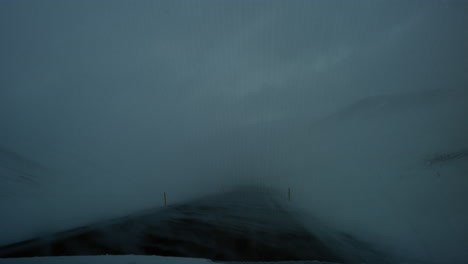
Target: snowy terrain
[401,179]
[400,165]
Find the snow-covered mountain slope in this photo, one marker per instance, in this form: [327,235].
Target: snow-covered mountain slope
[391,170]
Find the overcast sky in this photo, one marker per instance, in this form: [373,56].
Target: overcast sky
[127,75]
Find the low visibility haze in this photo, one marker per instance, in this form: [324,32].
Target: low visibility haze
[358,106]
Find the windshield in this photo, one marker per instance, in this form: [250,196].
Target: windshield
[235,130]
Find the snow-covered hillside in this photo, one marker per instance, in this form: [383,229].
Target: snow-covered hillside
[391,170]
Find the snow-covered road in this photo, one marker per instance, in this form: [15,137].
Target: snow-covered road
[247,224]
